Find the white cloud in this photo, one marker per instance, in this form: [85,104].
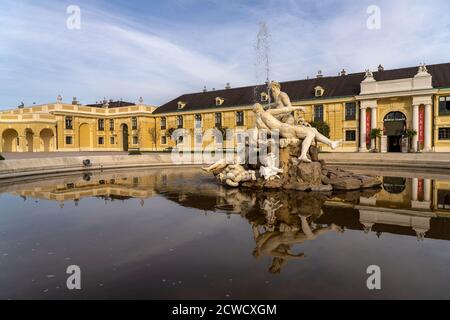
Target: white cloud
[119,56]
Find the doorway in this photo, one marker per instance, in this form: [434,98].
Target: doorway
[85,137]
[125,137]
[394,129]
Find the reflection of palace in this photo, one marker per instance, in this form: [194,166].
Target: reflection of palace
[415,98]
[280,221]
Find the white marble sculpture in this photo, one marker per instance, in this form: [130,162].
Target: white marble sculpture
[269,120]
[270,171]
[231,174]
[265,119]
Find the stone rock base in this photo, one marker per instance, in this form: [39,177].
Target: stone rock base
[311,176]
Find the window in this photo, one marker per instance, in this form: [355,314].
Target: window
[198,120]
[163,140]
[69,123]
[163,123]
[180,121]
[350,111]
[112,140]
[319,91]
[69,140]
[444,106]
[111,125]
[135,140]
[134,123]
[240,118]
[443,199]
[218,119]
[181,105]
[219,101]
[101,125]
[350,135]
[318,113]
[444,133]
[101,140]
[264,97]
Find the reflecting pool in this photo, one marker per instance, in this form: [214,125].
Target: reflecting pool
[177,234]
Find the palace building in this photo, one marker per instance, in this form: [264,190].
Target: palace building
[397,102]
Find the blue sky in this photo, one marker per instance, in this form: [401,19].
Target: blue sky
[161,49]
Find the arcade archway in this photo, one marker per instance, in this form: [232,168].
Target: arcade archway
[394,129]
[10,140]
[46,136]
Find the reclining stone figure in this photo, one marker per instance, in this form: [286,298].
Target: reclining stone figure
[266,119]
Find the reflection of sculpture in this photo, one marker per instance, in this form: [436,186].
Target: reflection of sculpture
[270,207]
[283,230]
[266,120]
[279,244]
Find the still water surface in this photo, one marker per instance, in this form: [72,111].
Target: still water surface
[176,234]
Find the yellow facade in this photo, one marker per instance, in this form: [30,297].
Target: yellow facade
[66,127]
[44,128]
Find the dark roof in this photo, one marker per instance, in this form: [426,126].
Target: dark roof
[338,86]
[112,104]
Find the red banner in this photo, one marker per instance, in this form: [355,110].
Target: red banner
[421,130]
[368,127]
[420,190]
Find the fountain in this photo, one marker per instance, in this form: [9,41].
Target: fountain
[291,161]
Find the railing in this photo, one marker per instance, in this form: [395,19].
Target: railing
[45,109]
[28,117]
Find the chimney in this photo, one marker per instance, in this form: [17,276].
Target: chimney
[74,101]
[228,86]
[319,74]
[380,68]
[343,72]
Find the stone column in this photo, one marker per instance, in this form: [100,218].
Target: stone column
[427,190]
[373,124]
[428,128]
[362,130]
[415,189]
[21,147]
[415,124]
[36,143]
